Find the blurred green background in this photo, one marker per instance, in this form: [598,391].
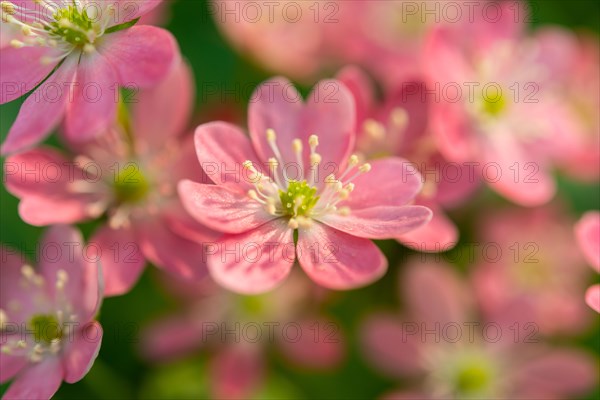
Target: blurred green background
[119,373]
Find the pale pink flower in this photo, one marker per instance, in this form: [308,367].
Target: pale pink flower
[237,331]
[441,347]
[127,174]
[398,127]
[587,232]
[310,185]
[496,103]
[47,316]
[530,270]
[83,52]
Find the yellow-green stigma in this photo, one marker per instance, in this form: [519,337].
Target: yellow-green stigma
[131,186]
[473,379]
[494,105]
[299,199]
[72,25]
[45,328]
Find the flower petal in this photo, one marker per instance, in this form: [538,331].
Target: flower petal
[121,258]
[171,338]
[142,55]
[163,112]
[82,351]
[336,260]
[10,365]
[587,232]
[361,88]
[128,10]
[93,108]
[22,70]
[253,262]
[43,109]
[37,381]
[222,148]
[439,234]
[42,178]
[10,287]
[222,208]
[380,222]
[592,298]
[236,372]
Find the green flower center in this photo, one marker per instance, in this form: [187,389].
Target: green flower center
[45,328]
[473,379]
[299,199]
[72,25]
[494,103]
[130,185]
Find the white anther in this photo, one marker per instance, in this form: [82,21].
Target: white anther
[293,223]
[399,118]
[365,168]
[271,135]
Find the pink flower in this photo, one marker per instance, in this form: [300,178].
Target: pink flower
[530,270]
[496,103]
[47,316]
[587,232]
[440,344]
[312,186]
[126,174]
[82,52]
[398,126]
[237,331]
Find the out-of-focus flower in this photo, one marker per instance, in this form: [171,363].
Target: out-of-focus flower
[82,52]
[310,185]
[587,232]
[580,87]
[238,330]
[159,15]
[496,103]
[47,316]
[531,271]
[442,345]
[398,127]
[127,173]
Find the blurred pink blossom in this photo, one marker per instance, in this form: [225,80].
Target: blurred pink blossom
[587,232]
[312,185]
[238,330]
[127,173]
[497,103]
[447,354]
[531,270]
[398,126]
[47,316]
[82,61]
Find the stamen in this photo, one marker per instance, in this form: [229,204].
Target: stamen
[3,319]
[293,223]
[399,118]
[374,129]
[61,279]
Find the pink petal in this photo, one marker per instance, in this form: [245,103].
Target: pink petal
[63,248]
[163,112]
[380,222]
[435,293]
[22,70]
[93,108]
[167,250]
[361,88]
[592,298]
[253,262]
[10,287]
[42,179]
[222,208]
[43,109]
[406,396]
[556,374]
[400,359]
[171,338]
[142,55]
[128,10]
[10,366]
[37,381]
[329,112]
[182,224]
[391,182]
[533,186]
[82,351]
[236,372]
[320,346]
[121,258]
[222,148]
[336,260]
[440,234]
[587,232]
